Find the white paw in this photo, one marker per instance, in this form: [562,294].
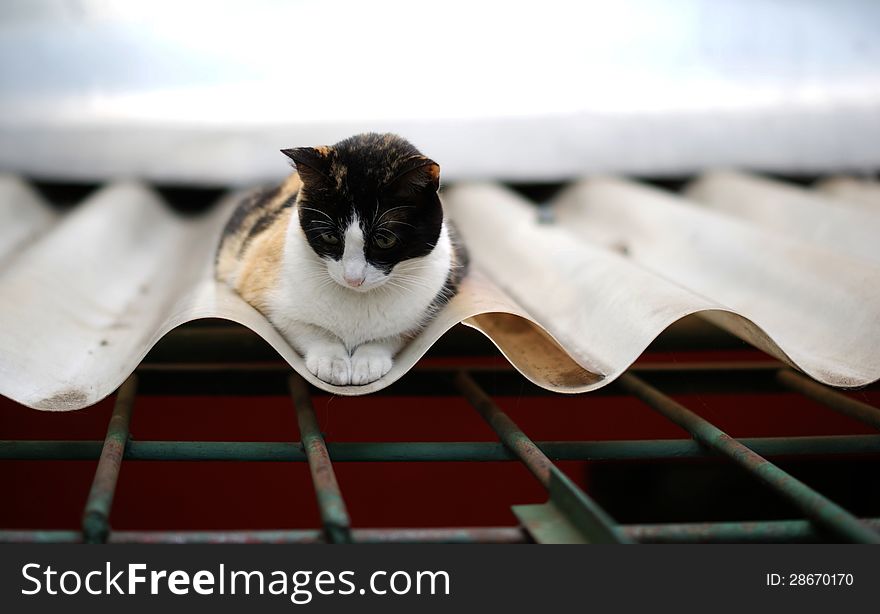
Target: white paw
[369,363]
[330,363]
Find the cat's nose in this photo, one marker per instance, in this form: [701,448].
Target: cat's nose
[354,281]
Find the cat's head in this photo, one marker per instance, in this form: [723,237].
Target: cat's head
[367,204]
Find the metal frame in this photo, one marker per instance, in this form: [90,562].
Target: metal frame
[570,514]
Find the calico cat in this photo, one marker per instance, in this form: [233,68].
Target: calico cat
[348,257]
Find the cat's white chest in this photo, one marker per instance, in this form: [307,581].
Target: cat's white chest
[352,317]
[305,294]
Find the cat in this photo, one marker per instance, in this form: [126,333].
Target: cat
[349,257]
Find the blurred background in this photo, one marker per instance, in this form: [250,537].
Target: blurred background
[207,92]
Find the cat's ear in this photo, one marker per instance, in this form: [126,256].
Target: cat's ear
[416,175]
[312,163]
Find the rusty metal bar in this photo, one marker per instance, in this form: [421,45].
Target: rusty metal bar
[578,508]
[96,516]
[814,505]
[773,531]
[582,514]
[290,536]
[829,397]
[429,451]
[456,535]
[509,433]
[462,535]
[334,516]
[39,536]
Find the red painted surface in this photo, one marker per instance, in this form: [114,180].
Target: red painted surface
[233,495]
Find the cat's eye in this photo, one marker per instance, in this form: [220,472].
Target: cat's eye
[384,241]
[329,238]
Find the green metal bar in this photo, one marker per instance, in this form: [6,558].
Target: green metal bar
[815,505]
[578,507]
[40,537]
[427,451]
[334,516]
[295,536]
[777,531]
[774,531]
[830,398]
[217,451]
[465,535]
[457,535]
[509,433]
[96,517]
[583,511]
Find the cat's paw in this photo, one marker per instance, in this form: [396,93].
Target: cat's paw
[369,363]
[330,363]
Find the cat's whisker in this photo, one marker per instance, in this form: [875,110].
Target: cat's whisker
[413,282]
[396,285]
[397,222]
[406,268]
[317,211]
[320,229]
[407,274]
[387,211]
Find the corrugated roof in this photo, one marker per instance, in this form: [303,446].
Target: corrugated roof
[570,302]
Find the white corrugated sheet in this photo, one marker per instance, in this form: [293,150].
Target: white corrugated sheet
[571,303]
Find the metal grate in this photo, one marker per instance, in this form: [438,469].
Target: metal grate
[569,515]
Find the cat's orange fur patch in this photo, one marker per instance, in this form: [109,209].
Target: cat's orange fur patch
[262,262]
[249,261]
[290,186]
[434,171]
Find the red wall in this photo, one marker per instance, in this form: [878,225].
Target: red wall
[234,495]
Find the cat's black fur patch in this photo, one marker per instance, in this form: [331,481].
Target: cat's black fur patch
[384,181]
